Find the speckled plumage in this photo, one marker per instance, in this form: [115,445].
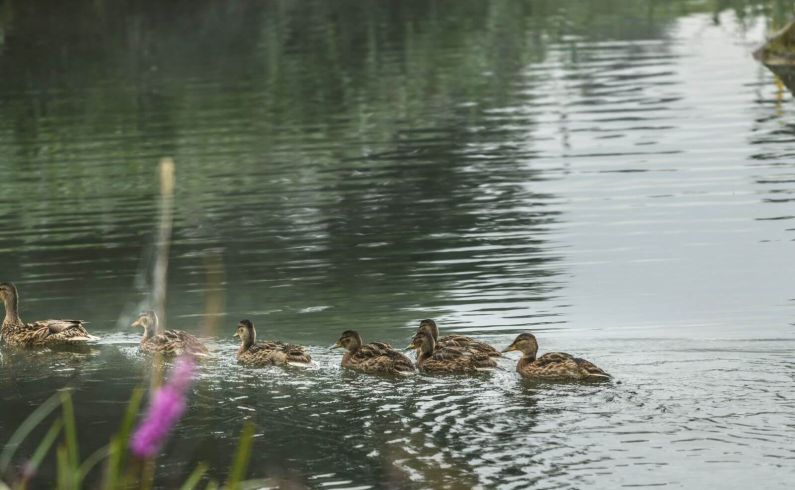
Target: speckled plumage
[39,333]
[457,341]
[167,342]
[253,353]
[374,358]
[448,359]
[552,365]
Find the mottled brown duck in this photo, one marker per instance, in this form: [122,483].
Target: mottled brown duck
[167,342]
[552,365]
[373,358]
[253,353]
[434,358]
[458,341]
[38,333]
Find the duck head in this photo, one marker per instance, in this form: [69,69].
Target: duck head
[350,340]
[246,333]
[8,293]
[423,342]
[526,343]
[148,321]
[429,326]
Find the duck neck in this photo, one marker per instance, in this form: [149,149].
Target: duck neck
[248,340]
[426,351]
[346,358]
[149,332]
[525,360]
[12,311]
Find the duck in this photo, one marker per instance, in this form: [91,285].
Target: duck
[39,333]
[552,365]
[436,358]
[253,353]
[168,342]
[458,341]
[373,358]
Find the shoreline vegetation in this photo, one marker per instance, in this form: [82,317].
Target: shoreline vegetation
[129,457]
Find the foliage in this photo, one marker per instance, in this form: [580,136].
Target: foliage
[121,469]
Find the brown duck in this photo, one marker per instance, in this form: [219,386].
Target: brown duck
[168,342]
[552,365]
[458,341]
[448,359]
[374,358]
[253,353]
[42,332]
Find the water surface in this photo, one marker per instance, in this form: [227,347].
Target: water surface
[616,177]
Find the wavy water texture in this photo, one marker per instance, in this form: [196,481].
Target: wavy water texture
[616,177]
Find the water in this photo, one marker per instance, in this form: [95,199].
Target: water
[616,177]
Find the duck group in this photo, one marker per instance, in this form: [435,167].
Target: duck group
[451,354]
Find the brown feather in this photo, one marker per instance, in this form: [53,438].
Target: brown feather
[469,344]
[374,358]
[379,358]
[559,365]
[273,352]
[436,358]
[174,343]
[46,332]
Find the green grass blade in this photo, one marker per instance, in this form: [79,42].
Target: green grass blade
[242,456]
[62,461]
[70,431]
[44,447]
[33,420]
[90,462]
[118,444]
[193,479]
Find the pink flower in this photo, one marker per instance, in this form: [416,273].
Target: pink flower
[165,409]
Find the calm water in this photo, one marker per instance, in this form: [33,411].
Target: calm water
[616,177]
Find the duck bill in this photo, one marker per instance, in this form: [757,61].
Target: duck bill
[335,345]
[236,335]
[136,323]
[510,348]
[411,346]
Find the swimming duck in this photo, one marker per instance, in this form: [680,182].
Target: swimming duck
[168,342]
[253,353]
[448,359]
[552,365]
[460,341]
[42,332]
[375,357]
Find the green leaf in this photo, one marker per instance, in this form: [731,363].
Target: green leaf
[242,457]
[45,444]
[193,479]
[70,431]
[90,462]
[62,459]
[24,429]
[118,444]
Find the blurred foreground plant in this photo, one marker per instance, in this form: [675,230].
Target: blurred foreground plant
[123,469]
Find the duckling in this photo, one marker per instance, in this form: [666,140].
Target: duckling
[552,365]
[169,342]
[374,358]
[42,332]
[460,341]
[447,359]
[253,353]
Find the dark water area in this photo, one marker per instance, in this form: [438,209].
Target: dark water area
[617,177]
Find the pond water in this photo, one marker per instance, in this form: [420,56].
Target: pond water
[616,177]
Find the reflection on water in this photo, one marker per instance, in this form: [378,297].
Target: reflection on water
[615,176]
